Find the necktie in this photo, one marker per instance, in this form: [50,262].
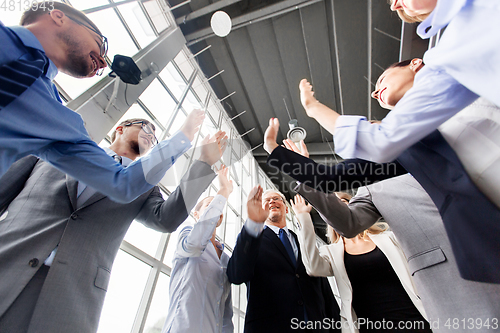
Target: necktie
[286,242]
[17,76]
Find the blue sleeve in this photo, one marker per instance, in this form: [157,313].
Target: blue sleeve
[88,163]
[434,98]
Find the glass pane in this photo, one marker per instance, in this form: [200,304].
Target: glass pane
[178,122]
[214,111]
[159,305]
[75,87]
[143,238]
[118,37]
[138,23]
[199,89]
[185,66]
[126,286]
[191,102]
[158,101]
[231,228]
[157,16]
[86,4]
[173,80]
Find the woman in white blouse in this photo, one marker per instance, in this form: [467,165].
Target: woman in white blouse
[365,280]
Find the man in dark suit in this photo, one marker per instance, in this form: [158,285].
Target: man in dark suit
[281,296]
[59,237]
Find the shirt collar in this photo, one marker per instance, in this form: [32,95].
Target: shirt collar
[277,229]
[444,12]
[125,160]
[30,40]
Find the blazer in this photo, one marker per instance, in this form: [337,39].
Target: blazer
[41,214]
[438,169]
[328,260]
[277,291]
[416,223]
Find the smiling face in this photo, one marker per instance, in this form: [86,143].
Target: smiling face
[414,8]
[273,201]
[83,50]
[394,83]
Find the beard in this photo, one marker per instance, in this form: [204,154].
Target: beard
[134,145]
[79,64]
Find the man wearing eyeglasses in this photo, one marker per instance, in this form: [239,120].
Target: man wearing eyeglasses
[59,237]
[56,37]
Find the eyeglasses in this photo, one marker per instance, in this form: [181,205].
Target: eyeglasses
[147,129]
[103,47]
[273,199]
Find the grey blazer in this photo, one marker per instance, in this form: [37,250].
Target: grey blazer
[417,225]
[42,213]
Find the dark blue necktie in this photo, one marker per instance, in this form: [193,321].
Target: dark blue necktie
[17,76]
[286,242]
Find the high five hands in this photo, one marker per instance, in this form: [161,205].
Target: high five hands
[255,211]
[300,205]
[226,185]
[212,148]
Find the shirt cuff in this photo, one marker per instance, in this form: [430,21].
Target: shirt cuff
[180,139]
[218,202]
[254,229]
[346,132]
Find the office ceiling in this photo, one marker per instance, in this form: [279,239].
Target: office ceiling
[341,46]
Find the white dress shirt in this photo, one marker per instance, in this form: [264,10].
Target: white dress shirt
[200,293]
[464,65]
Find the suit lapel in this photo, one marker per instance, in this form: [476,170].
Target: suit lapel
[93,199]
[72,186]
[276,241]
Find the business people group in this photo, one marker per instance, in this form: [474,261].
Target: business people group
[66,204]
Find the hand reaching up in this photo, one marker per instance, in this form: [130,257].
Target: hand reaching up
[290,145]
[212,148]
[271,134]
[192,123]
[300,205]
[226,185]
[254,206]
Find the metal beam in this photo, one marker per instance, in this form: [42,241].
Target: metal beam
[205,10]
[265,13]
[407,30]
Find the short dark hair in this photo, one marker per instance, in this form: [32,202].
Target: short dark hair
[403,63]
[129,121]
[38,9]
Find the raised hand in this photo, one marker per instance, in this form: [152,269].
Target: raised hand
[271,134]
[255,210]
[212,148]
[290,145]
[306,95]
[300,206]
[226,185]
[192,123]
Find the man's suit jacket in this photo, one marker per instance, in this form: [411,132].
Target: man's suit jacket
[277,291]
[42,214]
[416,223]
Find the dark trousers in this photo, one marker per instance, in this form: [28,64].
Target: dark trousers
[18,316]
